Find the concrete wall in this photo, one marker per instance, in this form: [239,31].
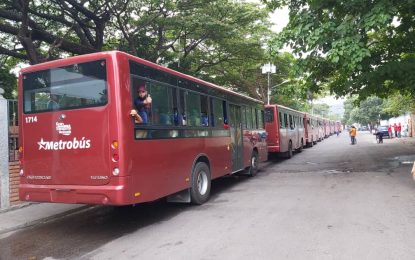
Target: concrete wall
[4,154]
[406,122]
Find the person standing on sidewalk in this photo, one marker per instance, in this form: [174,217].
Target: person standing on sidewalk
[399,129]
[390,131]
[352,134]
[395,129]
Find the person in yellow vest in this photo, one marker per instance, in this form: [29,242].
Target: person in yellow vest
[352,134]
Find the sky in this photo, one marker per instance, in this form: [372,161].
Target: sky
[279,18]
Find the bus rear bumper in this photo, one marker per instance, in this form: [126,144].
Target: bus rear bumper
[274,149]
[111,194]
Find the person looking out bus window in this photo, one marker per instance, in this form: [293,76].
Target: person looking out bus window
[53,102]
[142,106]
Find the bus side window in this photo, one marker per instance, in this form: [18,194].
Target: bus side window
[255,119]
[285,121]
[204,110]
[280,119]
[182,107]
[260,117]
[249,118]
[244,117]
[290,117]
[217,117]
[193,107]
[212,115]
[225,113]
[162,106]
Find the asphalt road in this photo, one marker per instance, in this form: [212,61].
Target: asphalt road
[332,201]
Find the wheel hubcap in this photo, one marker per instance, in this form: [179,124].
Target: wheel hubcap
[202,182]
[254,162]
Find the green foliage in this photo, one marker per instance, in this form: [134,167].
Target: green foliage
[373,109]
[321,110]
[398,104]
[8,81]
[353,46]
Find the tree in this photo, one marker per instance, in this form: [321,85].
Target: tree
[8,81]
[398,104]
[220,41]
[353,46]
[37,31]
[321,109]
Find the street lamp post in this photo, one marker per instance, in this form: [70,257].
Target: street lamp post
[268,69]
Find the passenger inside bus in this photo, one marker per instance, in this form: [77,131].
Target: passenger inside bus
[177,118]
[205,119]
[53,102]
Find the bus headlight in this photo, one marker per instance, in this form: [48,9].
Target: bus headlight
[115,171]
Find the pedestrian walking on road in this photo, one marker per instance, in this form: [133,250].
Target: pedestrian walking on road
[352,134]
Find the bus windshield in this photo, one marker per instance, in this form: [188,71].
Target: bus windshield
[68,87]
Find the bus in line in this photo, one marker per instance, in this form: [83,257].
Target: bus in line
[285,129]
[311,130]
[79,143]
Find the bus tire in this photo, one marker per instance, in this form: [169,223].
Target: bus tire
[200,184]
[290,150]
[253,168]
[300,149]
[311,144]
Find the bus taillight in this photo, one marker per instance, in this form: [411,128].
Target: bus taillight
[115,157]
[114,144]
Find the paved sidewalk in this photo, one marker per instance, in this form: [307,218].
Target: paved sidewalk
[34,213]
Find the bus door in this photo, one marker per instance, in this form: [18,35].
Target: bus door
[236,137]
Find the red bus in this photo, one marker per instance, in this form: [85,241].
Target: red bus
[285,128]
[79,143]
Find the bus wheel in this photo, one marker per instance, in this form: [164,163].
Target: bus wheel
[200,186]
[300,149]
[290,150]
[311,144]
[253,168]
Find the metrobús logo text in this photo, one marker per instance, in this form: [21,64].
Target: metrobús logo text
[65,145]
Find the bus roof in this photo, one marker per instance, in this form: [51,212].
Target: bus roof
[281,106]
[106,54]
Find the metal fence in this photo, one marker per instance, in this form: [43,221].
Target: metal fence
[13,130]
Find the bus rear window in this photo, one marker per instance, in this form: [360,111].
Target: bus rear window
[69,87]
[269,115]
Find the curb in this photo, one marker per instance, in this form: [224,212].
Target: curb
[16,207]
[46,219]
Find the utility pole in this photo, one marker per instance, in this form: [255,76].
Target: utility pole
[268,69]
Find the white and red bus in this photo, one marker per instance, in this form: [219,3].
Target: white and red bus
[285,129]
[311,129]
[321,128]
[79,144]
[326,123]
[332,127]
[338,126]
